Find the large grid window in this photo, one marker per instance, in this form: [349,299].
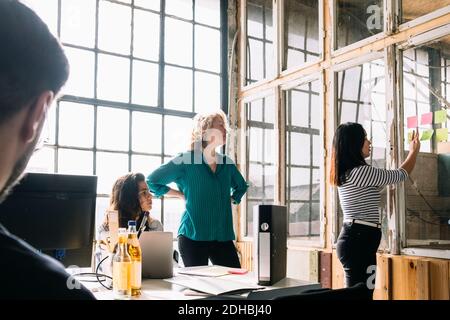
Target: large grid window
[361,98]
[303,160]
[260,55]
[140,70]
[260,155]
[426,84]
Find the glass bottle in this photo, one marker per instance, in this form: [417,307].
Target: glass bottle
[134,248]
[122,268]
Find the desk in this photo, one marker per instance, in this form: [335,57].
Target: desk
[159,289]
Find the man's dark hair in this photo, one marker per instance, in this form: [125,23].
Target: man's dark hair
[31,58]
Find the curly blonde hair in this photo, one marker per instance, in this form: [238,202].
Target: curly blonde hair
[203,122]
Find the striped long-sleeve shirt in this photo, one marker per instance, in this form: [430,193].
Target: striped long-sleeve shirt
[360,194]
[208,194]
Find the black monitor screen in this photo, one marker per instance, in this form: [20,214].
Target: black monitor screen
[54,213]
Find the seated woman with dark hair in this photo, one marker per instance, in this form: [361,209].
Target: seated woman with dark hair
[131,198]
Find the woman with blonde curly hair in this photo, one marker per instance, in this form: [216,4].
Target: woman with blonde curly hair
[209,182]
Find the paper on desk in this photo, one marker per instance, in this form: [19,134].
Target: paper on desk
[213,285]
[206,271]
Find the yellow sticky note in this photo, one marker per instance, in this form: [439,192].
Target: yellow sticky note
[427,134]
[440,116]
[442,134]
[410,135]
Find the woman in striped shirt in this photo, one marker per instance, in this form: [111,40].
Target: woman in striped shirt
[359,186]
[208,182]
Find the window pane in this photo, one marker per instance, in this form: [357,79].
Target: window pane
[428,189]
[178,88]
[412,9]
[75,162]
[47,10]
[177,133]
[113,78]
[302,31]
[259,42]
[145,83]
[300,182]
[179,8]
[207,48]
[114,27]
[173,209]
[207,92]
[101,205]
[71,116]
[249,224]
[255,138]
[147,132]
[357,20]
[146,35]
[153,4]
[255,110]
[255,61]
[304,140]
[49,130]
[208,12]
[178,42]
[255,178]
[144,164]
[112,128]
[78,22]
[303,149]
[81,77]
[110,166]
[42,160]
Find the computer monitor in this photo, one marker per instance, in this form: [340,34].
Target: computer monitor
[54,213]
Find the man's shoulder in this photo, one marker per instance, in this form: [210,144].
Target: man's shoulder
[27,274]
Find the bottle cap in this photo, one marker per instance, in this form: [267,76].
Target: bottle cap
[132,223]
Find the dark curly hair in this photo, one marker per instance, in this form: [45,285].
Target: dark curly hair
[125,197]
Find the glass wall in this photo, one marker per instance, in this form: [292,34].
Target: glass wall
[426,88]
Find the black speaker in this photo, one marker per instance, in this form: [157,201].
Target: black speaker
[270,243]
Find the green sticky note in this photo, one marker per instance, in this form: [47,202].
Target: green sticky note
[440,116]
[427,134]
[442,134]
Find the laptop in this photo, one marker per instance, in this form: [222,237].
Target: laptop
[157,253]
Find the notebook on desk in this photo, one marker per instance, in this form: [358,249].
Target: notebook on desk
[214,285]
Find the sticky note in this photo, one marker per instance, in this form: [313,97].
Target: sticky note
[442,134]
[440,116]
[410,135]
[427,134]
[426,118]
[412,122]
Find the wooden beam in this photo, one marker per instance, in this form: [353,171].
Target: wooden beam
[439,273]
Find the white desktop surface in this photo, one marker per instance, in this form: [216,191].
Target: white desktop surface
[159,289]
